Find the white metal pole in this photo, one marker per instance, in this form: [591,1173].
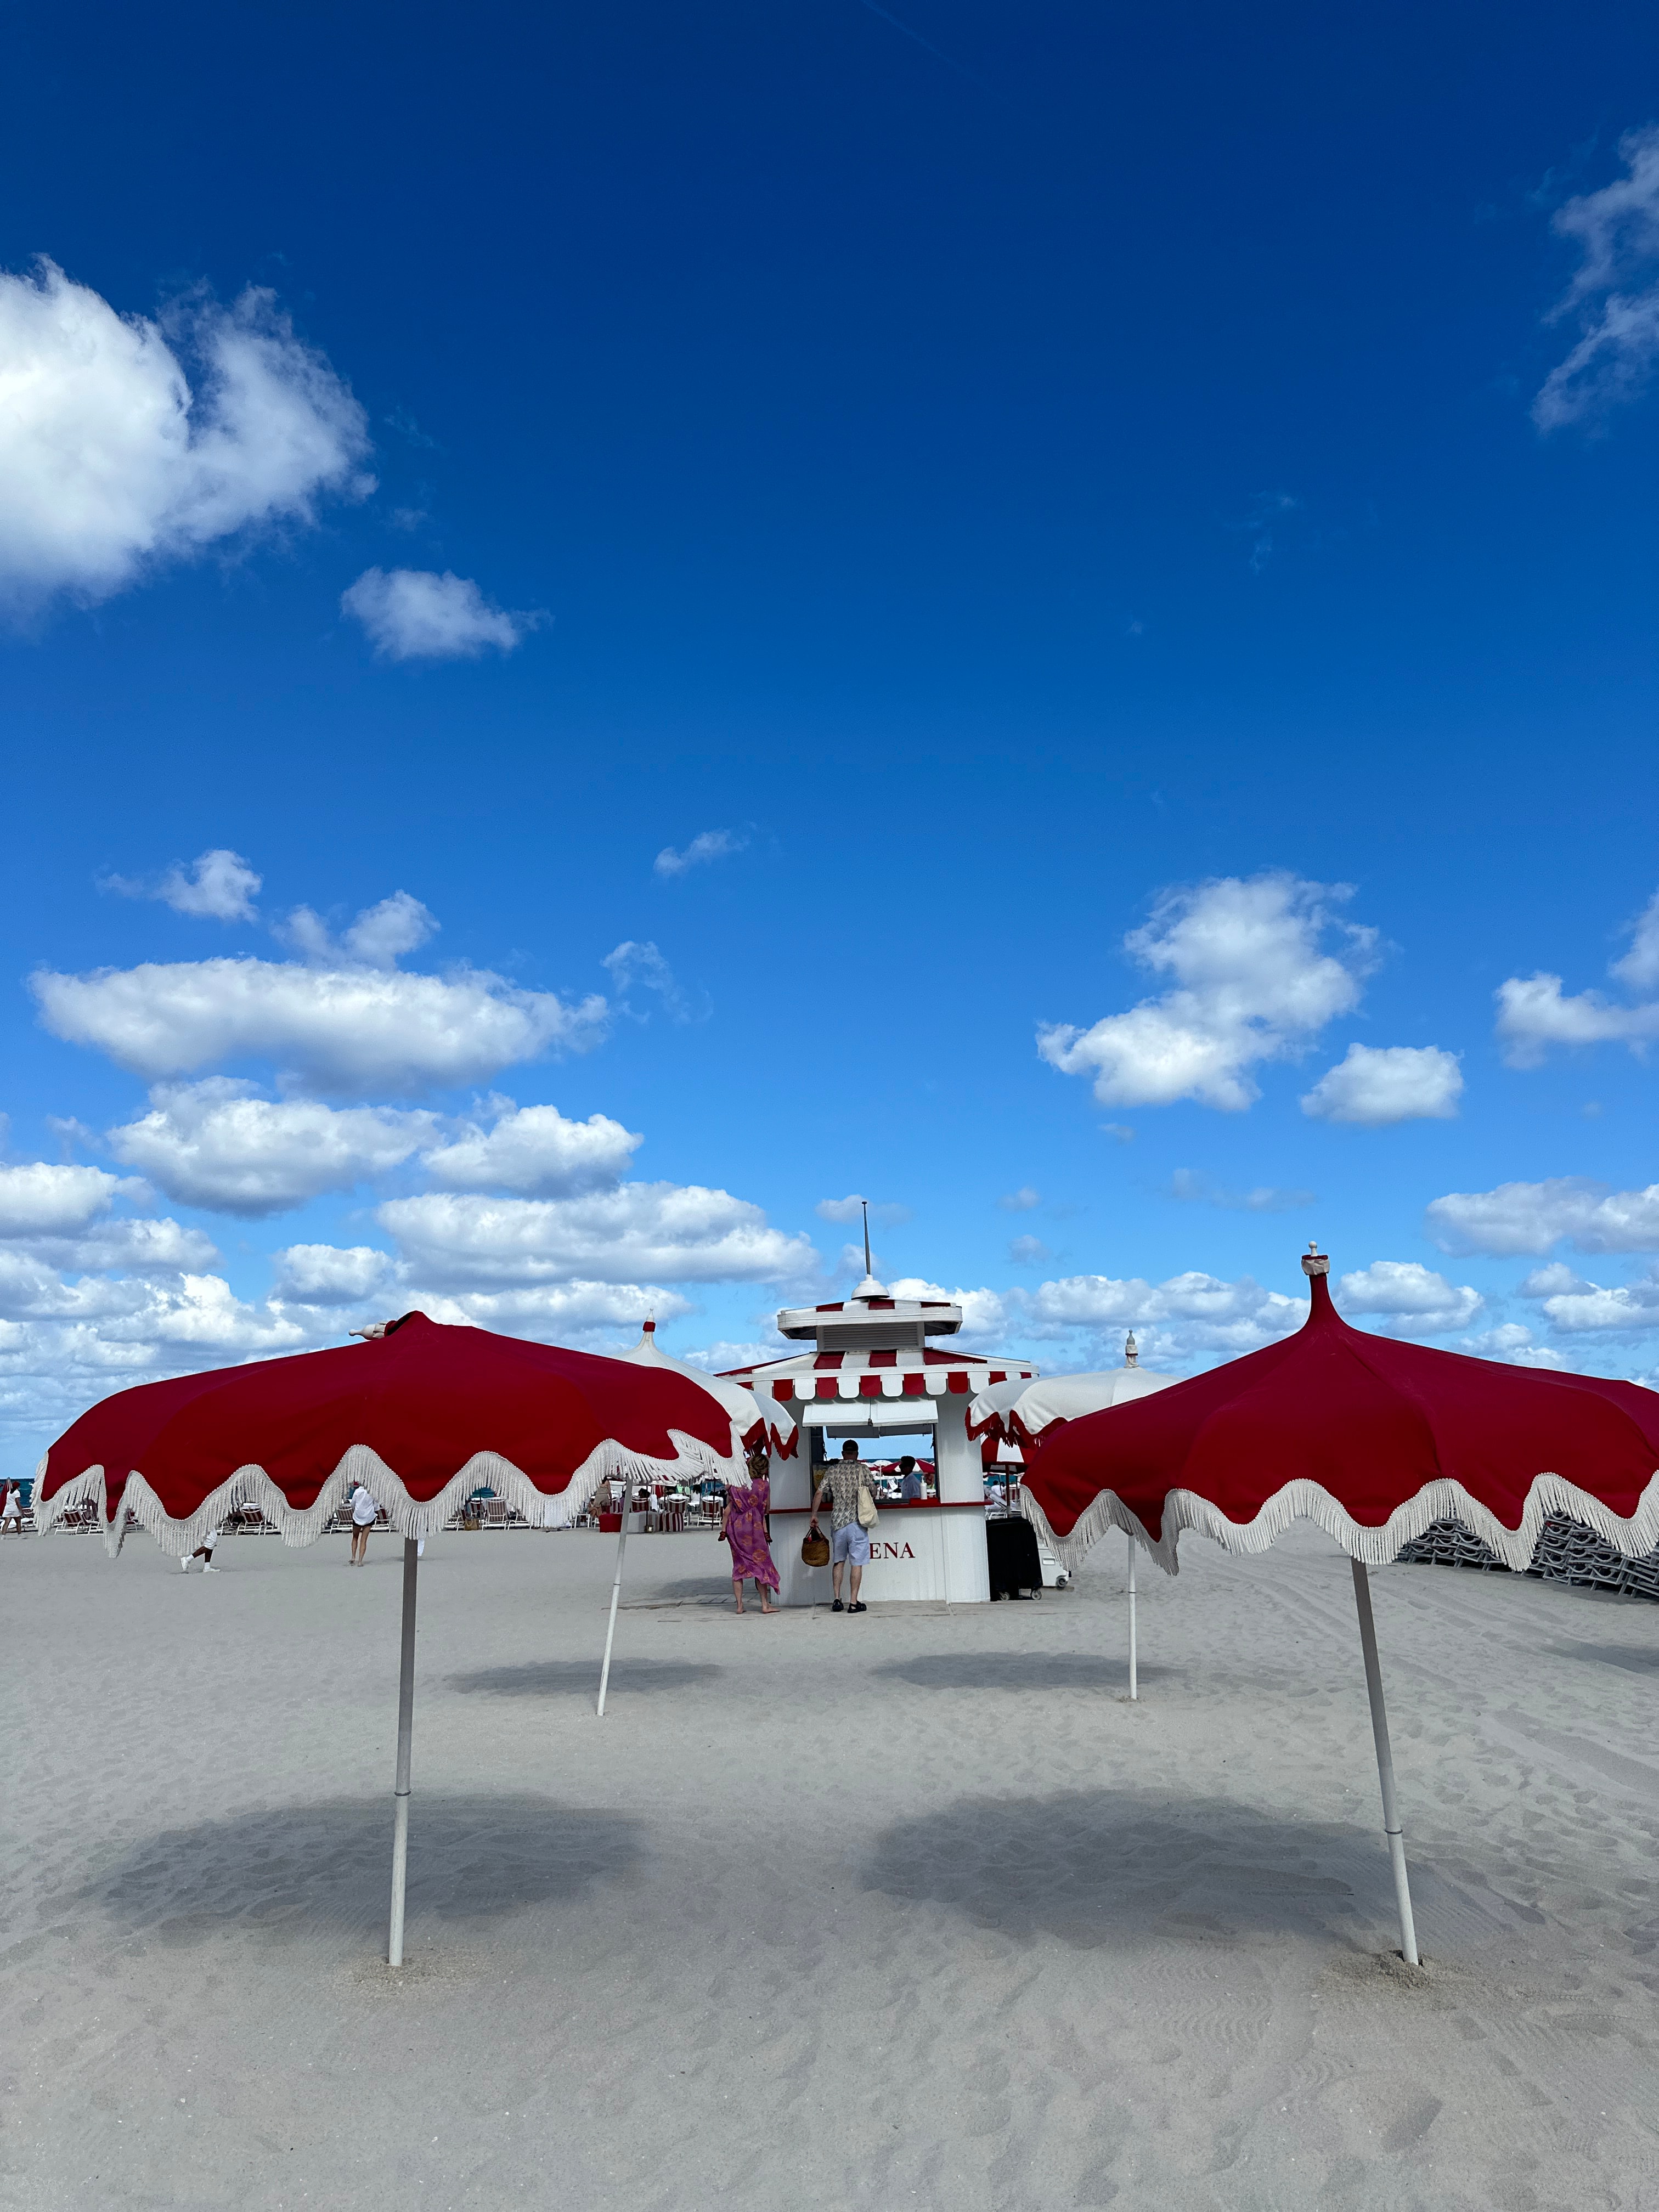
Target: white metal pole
[1362,1598]
[1135,1681]
[615,1592]
[394,1950]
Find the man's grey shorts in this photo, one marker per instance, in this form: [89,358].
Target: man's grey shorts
[852,1543]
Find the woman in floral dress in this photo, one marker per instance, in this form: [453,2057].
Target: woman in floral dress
[745,1526]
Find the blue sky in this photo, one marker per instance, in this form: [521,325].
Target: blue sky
[1045,618]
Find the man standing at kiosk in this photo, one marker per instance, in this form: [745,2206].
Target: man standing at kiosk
[849,1541]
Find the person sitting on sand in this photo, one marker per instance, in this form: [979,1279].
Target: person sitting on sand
[745,1525]
[849,1542]
[363,1511]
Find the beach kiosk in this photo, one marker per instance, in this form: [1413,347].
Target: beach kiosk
[872,1369]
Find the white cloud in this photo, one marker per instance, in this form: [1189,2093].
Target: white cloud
[378,938]
[1251,983]
[1530,1217]
[330,1274]
[1377,1084]
[1511,1341]
[109,463]
[414,614]
[352,1030]
[43,1200]
[658,1231]
[592,1314]
[1191,1187]
[218,886]
[631,963]
[709,845]
[1023,1201]
[1614,293]
[1409,1295]
[1027,1251]
[218,1143]
[1640,968]
[1534,1012]
[1575,1306]
[534,1152]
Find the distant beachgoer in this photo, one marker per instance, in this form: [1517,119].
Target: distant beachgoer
[363,1511]
[913,1483]
[746,1526]
[849,1541]
[204,1552]
[11,1510]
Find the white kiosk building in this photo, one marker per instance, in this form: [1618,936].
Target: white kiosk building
[871,1372]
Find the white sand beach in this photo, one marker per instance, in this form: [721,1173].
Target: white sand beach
[912,1909]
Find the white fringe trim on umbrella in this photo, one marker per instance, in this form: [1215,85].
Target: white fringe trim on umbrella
[251,1486]
[1302,1500]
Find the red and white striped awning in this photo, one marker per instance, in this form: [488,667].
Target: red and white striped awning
[828,1376]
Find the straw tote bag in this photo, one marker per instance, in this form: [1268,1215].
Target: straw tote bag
[868,1517]
[814,1549]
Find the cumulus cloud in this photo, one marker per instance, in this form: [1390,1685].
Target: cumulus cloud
[413,614]
[1023,1201]
[645,1232]
[352,1031]
[708,845]
[330,1274]
[1190,1318]
[218,1143]
[1403,1296]
[1614,296]
[378,938]
[1535,1012]
[1512,1342]
[1251,981]
[1531,1216]
[40,1199]
[533,1152]
[110,463]
[1029,1251]
[1575,1306]
[1375,1086]
[217,886]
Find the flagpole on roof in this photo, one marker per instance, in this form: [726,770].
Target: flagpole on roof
[868,1269]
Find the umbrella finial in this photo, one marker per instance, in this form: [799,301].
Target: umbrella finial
[1131,1351]
[1314,1262]
[651,1324]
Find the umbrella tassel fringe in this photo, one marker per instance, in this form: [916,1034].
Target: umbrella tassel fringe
[1442,1500]
[299,1525]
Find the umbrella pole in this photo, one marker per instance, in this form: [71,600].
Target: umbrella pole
[609,1633]
[394,1950]
[1134,1683]
[1402,1891]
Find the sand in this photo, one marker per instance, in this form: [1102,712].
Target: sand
[909,1910]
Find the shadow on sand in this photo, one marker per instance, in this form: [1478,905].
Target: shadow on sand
[1099,1867]
[580,1678]
[326,1866]
[1018,1670]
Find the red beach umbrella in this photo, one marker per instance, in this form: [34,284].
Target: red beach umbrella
[421,1414]
[1372,1439]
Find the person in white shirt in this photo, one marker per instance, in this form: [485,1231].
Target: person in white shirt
[363,1511]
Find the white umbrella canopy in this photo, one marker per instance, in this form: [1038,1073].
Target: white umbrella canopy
[1019,1413]
[749,1423]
